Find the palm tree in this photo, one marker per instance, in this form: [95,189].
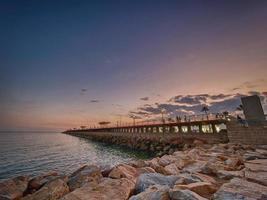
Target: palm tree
[205,109]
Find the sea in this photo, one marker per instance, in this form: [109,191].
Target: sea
[34,153]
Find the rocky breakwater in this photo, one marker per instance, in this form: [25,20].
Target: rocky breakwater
[219,172]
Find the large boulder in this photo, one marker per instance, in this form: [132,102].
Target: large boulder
[149,179]
[155,192]
[116,189]
[178,194]
[38,181]
[13,188]
[124,171]
[204,189]
[84,175]
[240,189]
[52,190]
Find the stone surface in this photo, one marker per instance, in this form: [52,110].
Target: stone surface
[155,192]
[204,189]
[38,181]
[171,169]
[13,188]
[234,163]
[205,178]
[107,189]
[124,171]
[238,189]
[149,179]
[178,194]
[52,190]
[84,175]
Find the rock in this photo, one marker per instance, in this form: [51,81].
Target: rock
[177,194]
[205,178]
[166,160]
[124,171]
[105,170]
[238,189]
[257,165]
[149,179]
[186,179]
[144,170]
[38,181]
[153,163]
[138,163]
[154,192]
[197,166]
[171,169]
[13,188]
[234,163]
[107,189]
[83,175]
[251,155]
[257,177]
[227,175]
[52,190]
[204,189]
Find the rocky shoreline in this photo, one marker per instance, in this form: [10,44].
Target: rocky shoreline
[204,171]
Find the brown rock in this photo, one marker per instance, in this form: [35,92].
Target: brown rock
[157,192]
[107,189]
[171,169]
[234,163]
[124,171]
[241,189]
[37,182]
[84,175]
[13,188]
[145,170]
[205,178]
[52,190]
[204,189]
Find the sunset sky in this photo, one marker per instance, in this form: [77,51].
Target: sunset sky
[68,63]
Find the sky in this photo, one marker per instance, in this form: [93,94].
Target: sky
[69,63]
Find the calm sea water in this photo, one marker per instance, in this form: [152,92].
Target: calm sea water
[31,153]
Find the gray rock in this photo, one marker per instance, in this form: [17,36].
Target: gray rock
[177,194]
[155,192]
[13,188]
[84,175]
[149,179]
[187,179]
[238,189]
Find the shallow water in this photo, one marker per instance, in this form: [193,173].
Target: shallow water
[31,153]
